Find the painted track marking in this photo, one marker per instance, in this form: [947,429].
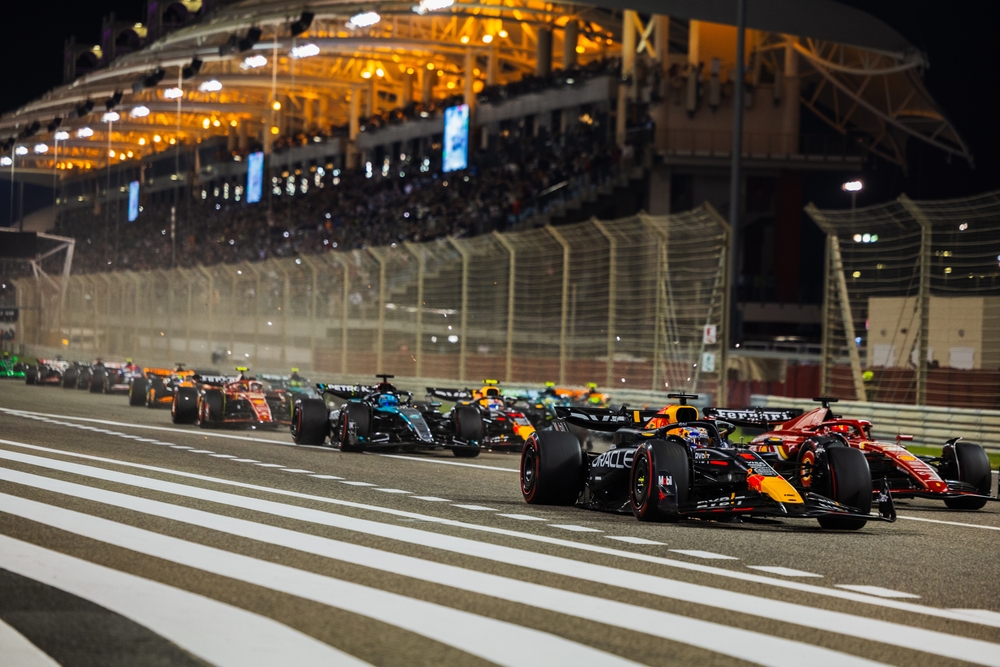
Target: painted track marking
[877,590]
[633,540]
[522,517]
[475,508]
[782,571]
[707,555]
[575,529]
[432,499]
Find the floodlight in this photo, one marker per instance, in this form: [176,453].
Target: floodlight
[62,135]
[189,71]
[432,5]
[21,150]
[364,20]
[852,186]
[84,132]
[111,117]
[41,148]
[253,62]
[173,93]
[252,37]
[300,26]
[305,51]
[139,112]
[210,86]
[5,161]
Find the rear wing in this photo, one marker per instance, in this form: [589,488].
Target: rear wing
[267,377]
[753,416]
[602,419]
[453,395]
[345,391]
[214,379]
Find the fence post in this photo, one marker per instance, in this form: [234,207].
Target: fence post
[723,280]
[826,342]
[187,326]
[170,314]
[565,300]
[923,293]
[312,308]
[211,307]
[661,297]
[508,371]
[612,290]
[377,253]
[418,252]
[340,259]
[465,305]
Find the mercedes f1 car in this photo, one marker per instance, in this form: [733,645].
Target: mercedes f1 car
[688,470]
[382,417]
[960,476]
[216,401]
[484,415]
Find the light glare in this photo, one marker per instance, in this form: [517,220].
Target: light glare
[84,132]
[364,20]
[62,135]
[852,186]
[41,148]
[305,51]
[111,117]
[139,112]
[173,93]
[210,86]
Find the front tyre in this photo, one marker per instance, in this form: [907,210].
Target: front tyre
[184,407]
[137,392]
[310,422]
[98,380]
[467,452]
[211,409]
[552,471]
[849,482]
[468,423]
[973,468]
[155,392]
[355,422]
[658,463]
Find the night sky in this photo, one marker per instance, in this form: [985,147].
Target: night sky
[959,39]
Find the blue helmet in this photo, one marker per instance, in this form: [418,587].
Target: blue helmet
[388,400]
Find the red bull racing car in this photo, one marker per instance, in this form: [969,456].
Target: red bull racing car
[485,415]
[960,476]
[217,401]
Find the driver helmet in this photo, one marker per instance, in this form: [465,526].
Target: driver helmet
[695,436]
[388,400]
[256,386]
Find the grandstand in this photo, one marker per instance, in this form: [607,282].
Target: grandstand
[576,112]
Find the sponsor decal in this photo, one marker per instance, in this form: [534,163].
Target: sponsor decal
[615,458]
[702,456]
[758,467]
[723,502]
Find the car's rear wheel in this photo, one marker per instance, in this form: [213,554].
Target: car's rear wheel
[848,480]
[551,468]
[468,423]
[98,380]
[355,421]
[155,392]
[310,422]
[212,405]
[137,392]
[654,460]
[69,378]
[31,376]
[83,379]
[466,452]
[184,407]
[973,466]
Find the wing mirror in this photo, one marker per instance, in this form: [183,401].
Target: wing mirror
[904,438]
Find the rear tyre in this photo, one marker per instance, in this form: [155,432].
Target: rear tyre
[31,376]
[809,471]
[98,379]
[653,460]
[212,405]
[468,452]
[184,407]
[360,417]
[468,423]
[849,482]
[137,392]
[155,392]
[973,468]
[310,422]
[69,378]
[551,468]
[83,379]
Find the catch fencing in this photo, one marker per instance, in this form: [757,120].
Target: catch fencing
[912,302]
[622,303]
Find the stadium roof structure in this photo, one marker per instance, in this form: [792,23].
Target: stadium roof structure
[234,62]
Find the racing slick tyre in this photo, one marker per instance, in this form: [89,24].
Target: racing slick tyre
[184,407]
[137,392]
[848,480]
[31,375]
[212,406]
[551,468]
[155,392]
[361,417]
[83,379]
[973,468]
[69,378]
[655,459]
[310,422]
[97,381]
[813,450]
[469,427]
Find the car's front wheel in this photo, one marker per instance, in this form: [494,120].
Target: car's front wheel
[137,392]
[658,463]
[848,480]
[551,468]
[310,422]
[973,467]
[184,407]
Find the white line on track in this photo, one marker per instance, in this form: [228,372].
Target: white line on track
[392,491]
[877,590]
[432,459]
[490,639]
[475,508]
[215,632]
[782,571]
[326,477]
[245,461]
[948,523]
[19,652]
[457,544]
[633,540]
[297,470]
[735,642]
[432,499]
[522,517]
[270,465]
[358,483]
[575,529]
[201,451]
[707,555]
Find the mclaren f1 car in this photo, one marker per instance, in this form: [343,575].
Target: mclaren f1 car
[687,470]
[960,476]
[155,387]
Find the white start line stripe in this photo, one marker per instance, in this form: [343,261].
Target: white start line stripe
[930,641]
[782,571]
[948,523]
[707,555]
[877,590]
[458,544]
[19,652]
[744,644]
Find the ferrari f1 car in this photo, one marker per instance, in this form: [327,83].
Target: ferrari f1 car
[383,417]
[215,401]
[688,470]
[960,476]
[498,425]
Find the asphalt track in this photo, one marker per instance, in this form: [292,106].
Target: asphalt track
[127,541]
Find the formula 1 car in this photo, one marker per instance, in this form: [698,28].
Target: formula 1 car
[687,470]
[218,400]
[379,417]
[155,388]
[10,367]
[46,372]
[296,386]
[960,476]
[113,378]
[484,415]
